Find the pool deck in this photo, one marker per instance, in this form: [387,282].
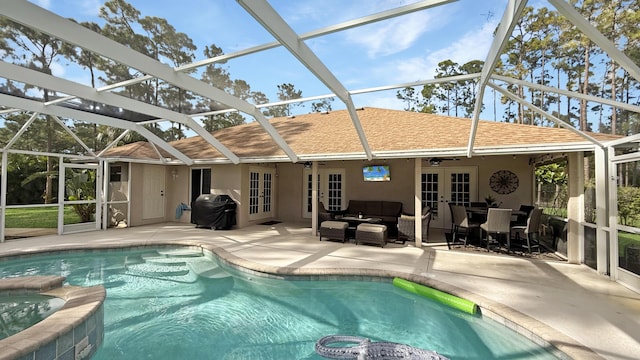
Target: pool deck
[585,315]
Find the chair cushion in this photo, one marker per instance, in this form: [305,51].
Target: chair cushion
[372,228]
[334,225]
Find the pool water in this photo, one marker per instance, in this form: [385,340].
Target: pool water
[18,312]
[179,304]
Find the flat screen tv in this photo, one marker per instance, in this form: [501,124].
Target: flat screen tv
[376,173]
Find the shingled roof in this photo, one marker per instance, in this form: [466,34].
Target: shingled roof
[332,136]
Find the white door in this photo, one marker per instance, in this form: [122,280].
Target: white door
[331,190]
[153,192]
[261,194]
[444,185]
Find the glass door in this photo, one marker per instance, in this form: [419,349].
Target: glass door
[331,190]
[442,185]
[261,192]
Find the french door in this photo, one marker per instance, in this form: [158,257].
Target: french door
[331,190]
[444,185]
[261,192]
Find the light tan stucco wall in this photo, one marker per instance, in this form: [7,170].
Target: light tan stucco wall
[400,188]
[233,180]
[520,166]
[137,183]
[177,191]
[225,180]
[228,180]
[290,191]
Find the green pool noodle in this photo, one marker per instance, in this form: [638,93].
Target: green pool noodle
[437,295]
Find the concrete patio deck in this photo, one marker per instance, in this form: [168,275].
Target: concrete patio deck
[583,314]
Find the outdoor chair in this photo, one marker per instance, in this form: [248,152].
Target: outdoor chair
[460,223]
[324,215]
[407,226]
[498,223]
[476,217]
[530,230]
[521,220]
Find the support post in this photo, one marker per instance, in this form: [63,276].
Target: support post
[602,210]
[575,208]
[3,199]
[417,182]
[314,198]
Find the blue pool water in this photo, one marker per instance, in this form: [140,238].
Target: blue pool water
[176,304]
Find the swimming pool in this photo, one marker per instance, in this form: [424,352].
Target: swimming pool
[180,304]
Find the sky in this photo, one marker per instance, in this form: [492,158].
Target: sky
[394,51]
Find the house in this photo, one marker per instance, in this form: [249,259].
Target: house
[427,149]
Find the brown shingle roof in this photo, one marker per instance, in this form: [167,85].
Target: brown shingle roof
[386,130]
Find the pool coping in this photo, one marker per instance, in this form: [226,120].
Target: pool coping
[81,304]
[561,345]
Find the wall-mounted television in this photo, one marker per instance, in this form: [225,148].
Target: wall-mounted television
[376,173]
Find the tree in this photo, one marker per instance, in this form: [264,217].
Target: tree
[322,106]
[286,91]
[36,51]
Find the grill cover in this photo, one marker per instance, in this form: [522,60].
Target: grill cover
[214,212]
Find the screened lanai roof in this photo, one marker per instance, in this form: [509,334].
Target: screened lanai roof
[303,56]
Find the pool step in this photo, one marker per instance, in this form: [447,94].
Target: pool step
[165,261]
[207,269]
[154,270]
[178,253]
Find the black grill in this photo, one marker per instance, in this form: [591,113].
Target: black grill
[214,212]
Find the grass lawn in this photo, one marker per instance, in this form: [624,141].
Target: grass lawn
[39,217]
[626,239]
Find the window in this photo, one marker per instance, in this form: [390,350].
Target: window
[115,173]
[200,182]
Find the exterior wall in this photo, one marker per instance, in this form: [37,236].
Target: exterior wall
[229,180]
[290,191]
[519,164]
[225,180]
[136,183]
[178,191]
[401,186]
[288,194]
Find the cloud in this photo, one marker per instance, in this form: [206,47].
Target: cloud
[473,45]
[391,36]
[57,69]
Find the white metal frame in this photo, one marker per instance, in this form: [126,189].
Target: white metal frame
[62,201]
[37,18]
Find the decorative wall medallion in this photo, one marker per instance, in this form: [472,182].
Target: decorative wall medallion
[504,182]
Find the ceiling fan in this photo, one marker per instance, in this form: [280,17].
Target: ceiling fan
[435,161]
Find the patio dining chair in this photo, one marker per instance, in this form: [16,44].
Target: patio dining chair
[460,224]
[530,230]
[498,223]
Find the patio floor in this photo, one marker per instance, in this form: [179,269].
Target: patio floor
[585,315]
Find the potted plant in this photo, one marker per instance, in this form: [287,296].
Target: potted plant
[491,201]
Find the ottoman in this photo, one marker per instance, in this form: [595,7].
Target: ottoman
[371,234]
[336,230]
